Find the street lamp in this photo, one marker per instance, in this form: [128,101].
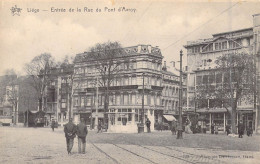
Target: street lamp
[141,125]
[142,120]
[179,132]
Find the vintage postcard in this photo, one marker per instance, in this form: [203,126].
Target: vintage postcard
[121,81]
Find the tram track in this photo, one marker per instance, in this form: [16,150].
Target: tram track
[100,150]
[179,154]
[194,155]
[135,154]
[184,154]
[172,156]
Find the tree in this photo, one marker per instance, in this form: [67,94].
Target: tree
[105,56]
[73,81]
[27,97]
[234,76]
[38,69]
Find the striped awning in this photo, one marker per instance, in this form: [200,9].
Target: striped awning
[169,117]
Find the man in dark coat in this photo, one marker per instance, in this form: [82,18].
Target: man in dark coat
[52,125]
[99,126]
[148,124]
[240,129]
[70,130]
[212,128]
[82,132]
[228,129]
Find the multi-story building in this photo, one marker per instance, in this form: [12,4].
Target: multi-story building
[139,65]
[57,93]
[170,92]
[256,30]
[6,106]
[201,57]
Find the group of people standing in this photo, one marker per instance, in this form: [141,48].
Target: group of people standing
[71,130]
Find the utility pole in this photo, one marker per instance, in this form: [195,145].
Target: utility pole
[179,132]
[141,125]
[96,115]
[142,120]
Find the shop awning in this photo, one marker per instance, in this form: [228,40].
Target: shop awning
[169,117]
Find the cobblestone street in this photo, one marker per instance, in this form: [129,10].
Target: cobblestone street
[41,145]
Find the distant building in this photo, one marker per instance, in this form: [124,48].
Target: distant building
[16,91]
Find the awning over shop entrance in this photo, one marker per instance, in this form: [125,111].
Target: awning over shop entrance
[169,117]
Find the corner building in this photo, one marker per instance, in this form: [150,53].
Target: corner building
[201,61]
[137,64]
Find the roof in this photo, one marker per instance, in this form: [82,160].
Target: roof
[221,35]
[235,31]
[124,52]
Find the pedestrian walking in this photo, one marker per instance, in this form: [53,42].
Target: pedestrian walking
[148,124]
[70,130]
[99,126]
[52,125]
[82,132]
[249,131]
[212,128]
[240,129]
[173,128]
[216,129]
[228,129]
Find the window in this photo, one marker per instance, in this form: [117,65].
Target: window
[127,66]
[129,116]
[149,65]
[118,99]
[158,100]
[224,45]
[134,65]
[89,101]
[126,101]
[219,78]
[211,79]
[145,99]
[205,79]
[131,65]
[216,46]
[195,49]
[82,101]
[133,80]
[126,81]
[133,99]
[76,101]
[63,105]
[152,100]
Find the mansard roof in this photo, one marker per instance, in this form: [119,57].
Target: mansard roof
[125,52]
[241,33]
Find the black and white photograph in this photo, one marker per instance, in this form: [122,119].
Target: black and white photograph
[130,82]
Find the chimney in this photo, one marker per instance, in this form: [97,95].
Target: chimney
[173,64]
[164,68]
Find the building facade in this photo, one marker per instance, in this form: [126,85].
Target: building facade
[202,55]
[138,66]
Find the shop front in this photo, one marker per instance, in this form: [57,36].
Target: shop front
[125,120]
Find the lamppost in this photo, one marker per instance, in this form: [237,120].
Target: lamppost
[141,125]
[96,114]
[179,132]
[142,120]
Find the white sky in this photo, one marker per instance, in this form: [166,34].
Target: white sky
[158,23]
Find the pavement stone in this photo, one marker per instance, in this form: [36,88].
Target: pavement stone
[35,145]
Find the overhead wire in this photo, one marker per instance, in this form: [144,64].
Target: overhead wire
[202,25]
